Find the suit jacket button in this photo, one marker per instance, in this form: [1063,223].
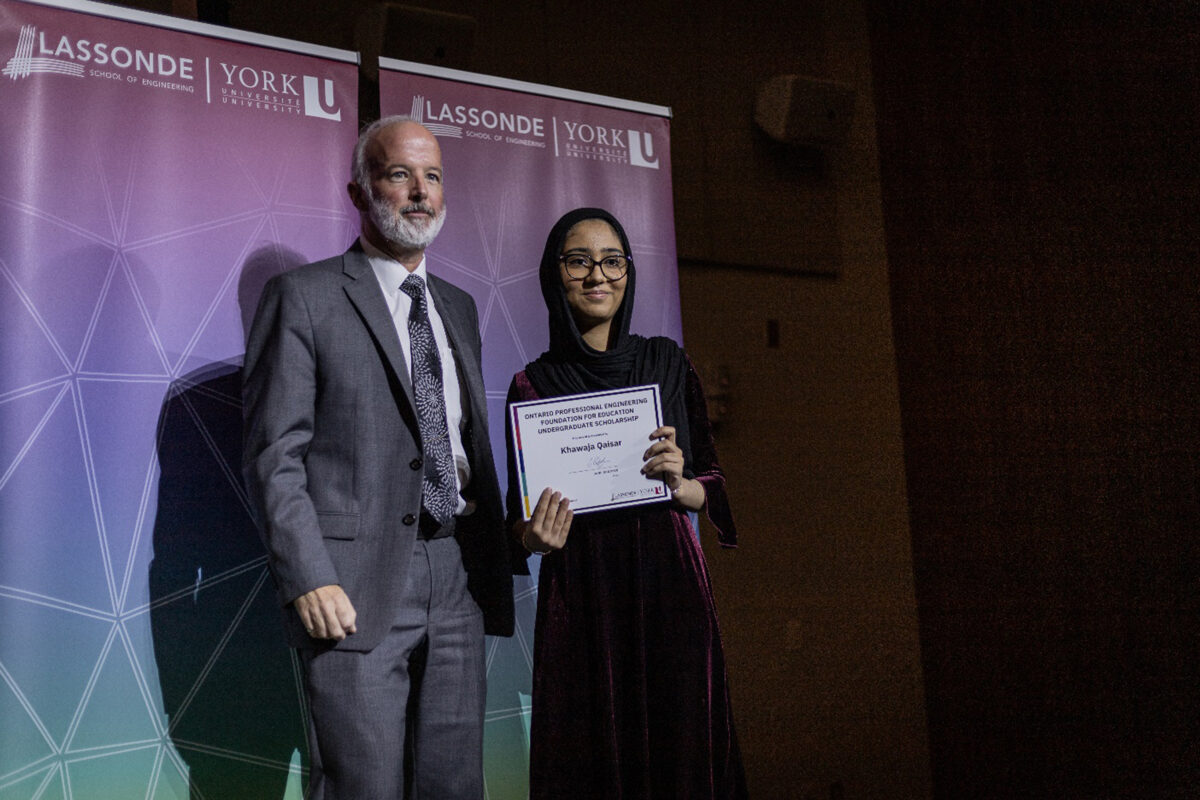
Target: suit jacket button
[409,519]
[416,463]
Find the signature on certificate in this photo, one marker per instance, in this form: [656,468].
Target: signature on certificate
[595,462]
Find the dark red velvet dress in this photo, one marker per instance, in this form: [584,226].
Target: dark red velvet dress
[630,698]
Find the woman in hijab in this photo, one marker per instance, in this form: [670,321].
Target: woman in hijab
[630,697]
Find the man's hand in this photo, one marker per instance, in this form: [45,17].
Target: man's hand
[326,613]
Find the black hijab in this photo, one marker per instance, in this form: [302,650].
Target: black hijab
[572,366]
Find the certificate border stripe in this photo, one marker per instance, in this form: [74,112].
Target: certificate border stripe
[516,423]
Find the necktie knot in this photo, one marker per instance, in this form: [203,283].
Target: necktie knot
[413,286]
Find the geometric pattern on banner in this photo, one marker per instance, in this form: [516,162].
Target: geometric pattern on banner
[22,419]
[119,773]
[47,784]
[510,663]
[504,191]
[24,742]
[64,519]
[39,346]
[54,312]
[170,782]
[122,339]
[47,676]
[105,718]
[141,651]
[515,300]
[119,415]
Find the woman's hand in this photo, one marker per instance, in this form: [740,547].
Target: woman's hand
[664,460]
[549,525]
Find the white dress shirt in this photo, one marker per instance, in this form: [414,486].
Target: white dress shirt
[391,273]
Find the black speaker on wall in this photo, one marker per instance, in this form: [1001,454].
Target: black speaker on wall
[812,112]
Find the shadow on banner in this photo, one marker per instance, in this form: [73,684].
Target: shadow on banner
[231,687]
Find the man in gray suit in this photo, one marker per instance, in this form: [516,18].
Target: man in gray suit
[368,462]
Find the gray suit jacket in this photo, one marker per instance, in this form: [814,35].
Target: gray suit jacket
[332,447]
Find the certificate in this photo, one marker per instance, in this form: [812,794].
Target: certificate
[589,447]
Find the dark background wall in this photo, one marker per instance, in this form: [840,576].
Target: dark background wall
[953,360]
[1041,184]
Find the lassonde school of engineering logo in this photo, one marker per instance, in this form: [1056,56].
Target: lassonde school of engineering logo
[244,86]
[567,138]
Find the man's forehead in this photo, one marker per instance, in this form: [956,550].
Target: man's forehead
[404,142]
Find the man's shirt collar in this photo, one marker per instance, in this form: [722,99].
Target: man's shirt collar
[390,272]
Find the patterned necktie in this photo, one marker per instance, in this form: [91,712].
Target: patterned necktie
[439,484]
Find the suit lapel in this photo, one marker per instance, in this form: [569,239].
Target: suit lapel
[363,291]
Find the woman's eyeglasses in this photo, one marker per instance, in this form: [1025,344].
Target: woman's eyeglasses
[579,265]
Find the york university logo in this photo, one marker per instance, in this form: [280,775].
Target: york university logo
[23,63]
[612,145]
[320,104]
[280,91]
[641,149]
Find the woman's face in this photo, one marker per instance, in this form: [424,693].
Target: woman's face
[593,299]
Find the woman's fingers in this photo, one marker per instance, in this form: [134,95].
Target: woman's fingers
[664,458]
[551,520]
[664,442]
[562,525]
[558,520]
[541,506]
[666,432]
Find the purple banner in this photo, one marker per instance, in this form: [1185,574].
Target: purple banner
[517,157]
[153,174]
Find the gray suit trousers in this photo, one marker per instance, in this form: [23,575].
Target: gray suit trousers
[420,693]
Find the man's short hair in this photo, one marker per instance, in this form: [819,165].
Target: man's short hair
[360,172]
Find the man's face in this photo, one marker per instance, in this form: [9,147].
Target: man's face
[406,206]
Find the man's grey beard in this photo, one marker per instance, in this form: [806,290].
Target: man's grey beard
[400,231]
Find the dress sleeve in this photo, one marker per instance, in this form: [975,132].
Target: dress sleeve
[704,461]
